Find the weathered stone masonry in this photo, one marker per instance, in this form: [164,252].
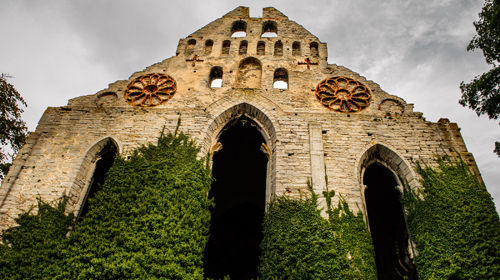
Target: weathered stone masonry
[304,137]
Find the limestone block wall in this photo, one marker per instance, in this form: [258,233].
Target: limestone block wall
[305,139]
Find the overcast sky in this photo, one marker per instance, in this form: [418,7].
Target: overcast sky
[415,49]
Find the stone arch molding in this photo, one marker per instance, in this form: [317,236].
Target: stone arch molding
[390,158]
[265,125]
[232,112]
[84,174]
[263,111]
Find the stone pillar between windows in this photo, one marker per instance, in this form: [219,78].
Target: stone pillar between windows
[317,164]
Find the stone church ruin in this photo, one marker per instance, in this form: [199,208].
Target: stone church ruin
[259,96]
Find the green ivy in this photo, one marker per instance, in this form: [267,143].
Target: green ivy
[453,223]
[150,220]
[300,244]
[32,250]
[355,240]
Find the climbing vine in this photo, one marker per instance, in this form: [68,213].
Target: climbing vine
[453,223]
[150,219]
[300,244]
[32,250]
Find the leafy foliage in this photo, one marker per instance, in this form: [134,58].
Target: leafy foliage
[150,220]
[355,240]
[13,130]
[483,93]
[32,250]
[299,244]
[454,224]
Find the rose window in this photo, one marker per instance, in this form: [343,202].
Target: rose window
[343,94]
[150,90]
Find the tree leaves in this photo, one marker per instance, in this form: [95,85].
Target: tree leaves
[483,93]
[13,130]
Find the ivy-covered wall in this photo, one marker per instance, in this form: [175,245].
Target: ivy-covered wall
[454,224]
[149,220]
[34,249]
[300,244]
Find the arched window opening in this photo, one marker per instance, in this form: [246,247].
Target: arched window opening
[190,46]
[269,29]
[314,49]
[278,49]
[239,190]
[249,73]
[243,47]
[296,48]
[216,77]
[261,48]
[106,158]
[280,79]
[387,225]
[226,46]
[239,29]
[208,47]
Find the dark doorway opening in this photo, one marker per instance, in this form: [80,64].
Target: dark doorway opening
[102,166]
[387,225]
[239,190]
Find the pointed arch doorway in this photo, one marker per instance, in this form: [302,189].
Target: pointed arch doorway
[240,171]
[393,252]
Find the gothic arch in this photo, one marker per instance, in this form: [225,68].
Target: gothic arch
[380,170]
[390,158]
[263,124]
[81,183]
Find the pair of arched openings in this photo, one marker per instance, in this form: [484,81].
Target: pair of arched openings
[100,156]
[249,75]
[243,165]
[269,29]
[191,44]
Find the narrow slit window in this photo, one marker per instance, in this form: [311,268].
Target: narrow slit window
[208,47]
[226,46]
[296,49]
[215,77]
[261,48]
[278,49]
[269,29]
[314,49]
[239,29]
[190,46]
[280,79]
[243,47]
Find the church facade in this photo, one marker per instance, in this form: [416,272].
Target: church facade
[314,121]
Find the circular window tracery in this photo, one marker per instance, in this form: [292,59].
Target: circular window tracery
[343,94]
[150,90]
